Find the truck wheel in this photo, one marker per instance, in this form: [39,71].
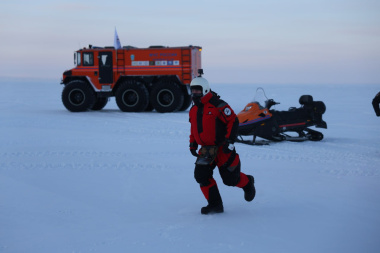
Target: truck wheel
[149,108]
[100,103]
[78,96]
[186,102]
[166,96]
[132,96]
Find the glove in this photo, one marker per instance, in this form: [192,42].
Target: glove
[193,149]
[228,146]
[194,152]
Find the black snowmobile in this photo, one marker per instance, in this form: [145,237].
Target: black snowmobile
[258,120]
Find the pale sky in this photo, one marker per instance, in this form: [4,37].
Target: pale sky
[244,41]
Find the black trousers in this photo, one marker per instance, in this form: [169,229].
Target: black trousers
[230,175]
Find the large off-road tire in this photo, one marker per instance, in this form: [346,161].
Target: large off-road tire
[166,96]
[132,96]
[100,103]
[186,102]
[149,108]
[78,96]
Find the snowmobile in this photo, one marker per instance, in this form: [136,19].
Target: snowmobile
[259,120]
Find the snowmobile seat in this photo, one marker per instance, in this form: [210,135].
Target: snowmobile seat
[291,116]
[306,99]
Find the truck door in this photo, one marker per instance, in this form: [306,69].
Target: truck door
[105,67]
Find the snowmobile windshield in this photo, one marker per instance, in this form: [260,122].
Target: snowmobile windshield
[260,97]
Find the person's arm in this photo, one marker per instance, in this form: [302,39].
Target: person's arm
[376,104]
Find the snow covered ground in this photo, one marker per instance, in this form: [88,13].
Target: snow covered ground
[110,181]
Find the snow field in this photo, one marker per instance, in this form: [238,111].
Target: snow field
[110,181]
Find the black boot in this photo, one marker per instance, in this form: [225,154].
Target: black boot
[215,204]
[249,189]
[209,209]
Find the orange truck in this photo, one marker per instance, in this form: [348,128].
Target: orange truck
[140,79]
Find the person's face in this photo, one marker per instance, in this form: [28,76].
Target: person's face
[196,95]
[196,92]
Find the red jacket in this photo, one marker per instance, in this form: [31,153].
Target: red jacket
[213,122]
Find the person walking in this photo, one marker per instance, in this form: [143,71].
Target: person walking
[214,127]
[376,104]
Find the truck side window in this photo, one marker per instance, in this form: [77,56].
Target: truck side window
[88,59]
[78,59]
[106,61]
